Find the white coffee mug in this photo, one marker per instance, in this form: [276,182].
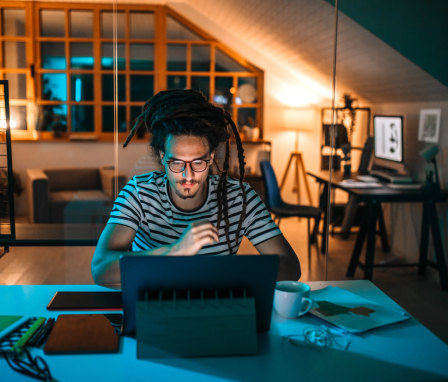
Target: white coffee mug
[292,299]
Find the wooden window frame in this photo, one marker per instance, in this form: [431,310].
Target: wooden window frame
[34,69]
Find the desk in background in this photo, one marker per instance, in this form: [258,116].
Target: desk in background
[373,197]
[406,351]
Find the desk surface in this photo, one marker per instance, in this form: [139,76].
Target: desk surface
[380,194]
[402,352]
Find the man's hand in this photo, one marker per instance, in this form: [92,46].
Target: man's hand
[195,236]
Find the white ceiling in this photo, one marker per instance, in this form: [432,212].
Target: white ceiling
[298,35]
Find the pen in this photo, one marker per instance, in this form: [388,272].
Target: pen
[29,333]
[45,332]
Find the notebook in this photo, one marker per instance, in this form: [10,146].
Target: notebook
[98,300]
[256,274]
[82,333]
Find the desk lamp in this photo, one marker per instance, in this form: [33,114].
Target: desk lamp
[429,154]
[298,120]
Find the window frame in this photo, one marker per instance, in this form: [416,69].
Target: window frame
[34,69]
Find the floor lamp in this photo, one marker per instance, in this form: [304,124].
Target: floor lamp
[298,120]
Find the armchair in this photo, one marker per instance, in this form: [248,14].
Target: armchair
[71,195]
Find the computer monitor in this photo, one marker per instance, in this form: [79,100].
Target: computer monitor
[388,143]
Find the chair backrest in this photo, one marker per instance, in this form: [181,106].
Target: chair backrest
[273,197]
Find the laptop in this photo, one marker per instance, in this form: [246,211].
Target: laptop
[256,274]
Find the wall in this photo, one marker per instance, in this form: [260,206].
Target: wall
[405,219]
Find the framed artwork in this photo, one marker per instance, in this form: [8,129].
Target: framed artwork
[429,126]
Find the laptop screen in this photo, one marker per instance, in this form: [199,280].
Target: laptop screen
[255,274]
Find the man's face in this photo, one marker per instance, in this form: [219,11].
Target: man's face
[188,187]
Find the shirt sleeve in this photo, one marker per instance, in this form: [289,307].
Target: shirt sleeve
[127,208]
[258,225]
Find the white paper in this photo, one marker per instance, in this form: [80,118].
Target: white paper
[376,316]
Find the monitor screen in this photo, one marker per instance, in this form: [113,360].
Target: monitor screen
[388,134]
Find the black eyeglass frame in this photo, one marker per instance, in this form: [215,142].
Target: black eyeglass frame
[190,162]
[34,367]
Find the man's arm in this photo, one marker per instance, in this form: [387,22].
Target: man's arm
[116,240]
[289,268]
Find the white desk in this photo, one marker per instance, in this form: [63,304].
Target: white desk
[402,352]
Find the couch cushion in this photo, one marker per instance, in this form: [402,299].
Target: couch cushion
[73,179]
[84,206]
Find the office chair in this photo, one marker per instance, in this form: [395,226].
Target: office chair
[281,209]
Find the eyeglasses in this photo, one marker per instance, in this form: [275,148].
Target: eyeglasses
[33,367]
[197,165]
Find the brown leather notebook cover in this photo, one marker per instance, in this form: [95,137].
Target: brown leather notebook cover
[82,333]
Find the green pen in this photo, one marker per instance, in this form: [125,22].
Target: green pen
[19,345]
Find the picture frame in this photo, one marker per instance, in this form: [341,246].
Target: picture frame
[429,125]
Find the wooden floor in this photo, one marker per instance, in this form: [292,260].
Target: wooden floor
[420,296]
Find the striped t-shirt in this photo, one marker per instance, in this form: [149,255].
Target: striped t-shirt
[144,205]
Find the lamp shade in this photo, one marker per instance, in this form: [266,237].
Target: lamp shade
[300,119]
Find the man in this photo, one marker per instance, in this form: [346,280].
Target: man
[185,210]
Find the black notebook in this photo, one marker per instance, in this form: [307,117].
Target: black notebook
[86,301]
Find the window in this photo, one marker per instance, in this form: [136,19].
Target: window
[61,61]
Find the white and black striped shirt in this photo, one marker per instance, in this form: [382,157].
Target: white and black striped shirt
[144,205]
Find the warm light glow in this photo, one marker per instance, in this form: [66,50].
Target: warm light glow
[2,124]
[299,118]
[296,96]
[13,124]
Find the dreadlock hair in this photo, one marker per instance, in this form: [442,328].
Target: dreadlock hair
[187,112]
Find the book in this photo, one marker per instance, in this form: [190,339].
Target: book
[82,333]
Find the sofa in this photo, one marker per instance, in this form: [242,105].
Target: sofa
[71,195]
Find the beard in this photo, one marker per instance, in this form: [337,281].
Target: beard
[186,193]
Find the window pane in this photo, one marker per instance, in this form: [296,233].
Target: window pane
[247,116]
[142,56]
[176,57]
[13,22]
[107,24]
[135,112]
[176,82]
[17,85]
[82,118]
[142,87]
[224,92]
[200,58]
[176,31]
[107,56]
[14,54]
[54,87]
[202,84]
[52,23]
[247,90]
[224,63]
[108,118]
[81,87]
[142,25]
[53,55]
[81,23]
[53,118]
[108,87]
[18,117]
[81,55]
